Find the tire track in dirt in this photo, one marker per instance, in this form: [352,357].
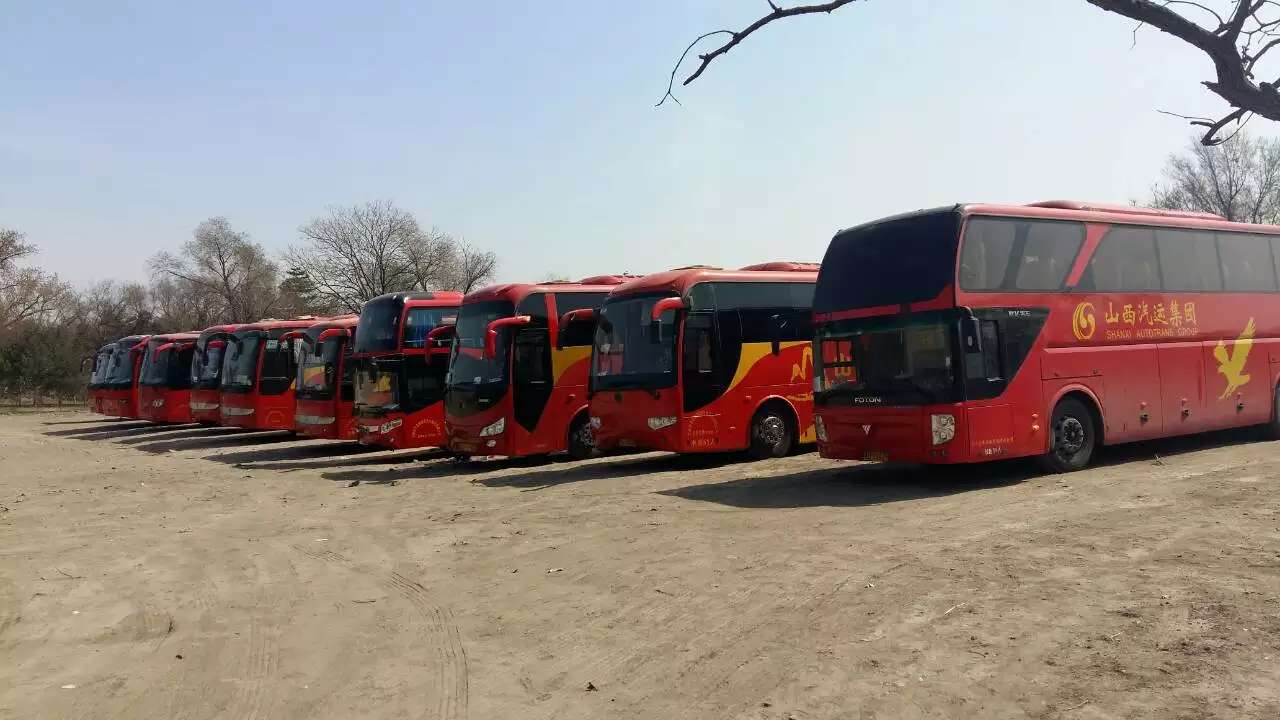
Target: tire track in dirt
[438,630]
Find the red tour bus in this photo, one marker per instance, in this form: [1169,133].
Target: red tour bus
[324,391]
[206,374]
[707,360]
[401,353]
[258,374]
[164,381]
[977,332]
[517,385]
[94,397]
[120,384]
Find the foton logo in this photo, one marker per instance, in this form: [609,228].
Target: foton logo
[866,429]
[868,400]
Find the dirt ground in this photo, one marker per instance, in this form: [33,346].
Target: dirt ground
[185,572]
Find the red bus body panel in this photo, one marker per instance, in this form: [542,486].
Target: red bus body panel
[332,419]
[422,428]
[164,405]
[254,410]
[621,417]
[206,405]
[568,397]
[1150,361]
[549,435]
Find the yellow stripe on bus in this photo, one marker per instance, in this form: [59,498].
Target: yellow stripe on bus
[753,353]
[562,360]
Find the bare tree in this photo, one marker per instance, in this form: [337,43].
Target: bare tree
[1238,179]
[1234,34]
[432,259]
[25,292]
[229,266]
[356,253]
[470,268]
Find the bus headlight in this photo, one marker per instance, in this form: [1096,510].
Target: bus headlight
[944,428]
[657,423]
[494,428]
[819,428]
[387,427]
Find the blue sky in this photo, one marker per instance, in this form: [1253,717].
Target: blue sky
[529,128]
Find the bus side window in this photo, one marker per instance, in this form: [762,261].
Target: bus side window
[991,350]
[347,388]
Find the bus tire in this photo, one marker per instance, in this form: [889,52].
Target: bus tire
[773,433]
[582,442]
[1073,437]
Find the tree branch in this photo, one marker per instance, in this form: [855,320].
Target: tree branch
[735,37]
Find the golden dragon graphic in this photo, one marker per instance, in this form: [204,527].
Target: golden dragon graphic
[1231,364]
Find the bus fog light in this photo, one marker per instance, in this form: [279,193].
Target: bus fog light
[657,423]
[494,428]
[491,443]
[819,428]
[944,428]
[595,423]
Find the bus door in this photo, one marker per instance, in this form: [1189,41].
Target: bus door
[702,379]
[531,376]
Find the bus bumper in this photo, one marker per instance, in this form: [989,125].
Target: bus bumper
[645,420]
[316,419]
[892,434]
[205,406]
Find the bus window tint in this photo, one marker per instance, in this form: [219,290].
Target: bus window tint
[985,257]
[1001,254]
[421,320]
[1247,265]
[1188,260]
[1275,253]
[1124,262]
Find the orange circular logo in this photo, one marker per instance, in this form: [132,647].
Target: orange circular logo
[1083,323]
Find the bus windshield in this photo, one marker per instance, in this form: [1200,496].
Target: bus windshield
[631,351]
[240,361]
[101,362]
[318,368]
[904,259]
[120,368]
[468,367]
[898,364]
[155,366]
[379,327]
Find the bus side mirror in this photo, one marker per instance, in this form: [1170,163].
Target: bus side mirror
[332,333]
[776,324]
[655,316]
[581,315]
[491,332]
[971,335]
[439,338]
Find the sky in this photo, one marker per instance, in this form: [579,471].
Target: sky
[530,128]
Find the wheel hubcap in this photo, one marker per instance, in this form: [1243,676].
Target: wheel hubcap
[585,437]
[772,430]
[1070,433]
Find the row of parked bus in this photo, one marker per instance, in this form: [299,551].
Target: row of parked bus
[954,335]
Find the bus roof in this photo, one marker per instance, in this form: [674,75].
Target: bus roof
[515,292]
[1115,214]
[131,340]
[184,336]
[273,324]
[681,279]
[424,297]
[342,321]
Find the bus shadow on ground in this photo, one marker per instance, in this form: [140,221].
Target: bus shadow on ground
[187,431]
[225,439]
[101,427]
[146,431]
[612,467]
[875,484]
[431,464]
[51,423]
[269,458]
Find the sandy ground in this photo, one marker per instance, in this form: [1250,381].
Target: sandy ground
[187,572]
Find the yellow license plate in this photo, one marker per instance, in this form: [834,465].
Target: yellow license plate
[875,456]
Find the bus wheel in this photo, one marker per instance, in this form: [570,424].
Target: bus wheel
[1074,437]
[582,442]
[772,435]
